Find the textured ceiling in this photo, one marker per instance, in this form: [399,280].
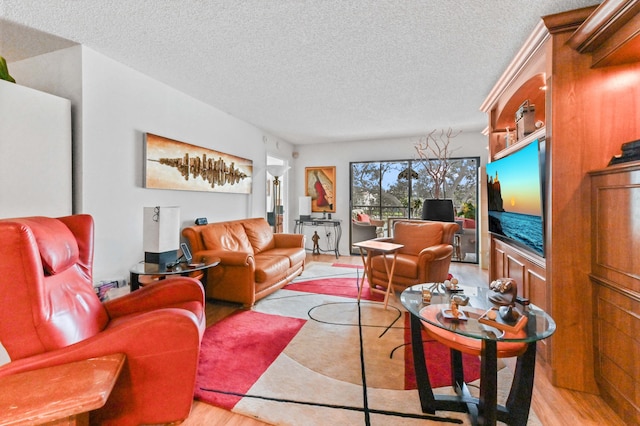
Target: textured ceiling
[307,71]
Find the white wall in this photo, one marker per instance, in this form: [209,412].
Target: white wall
[466,144]
[35,152]
[115,106]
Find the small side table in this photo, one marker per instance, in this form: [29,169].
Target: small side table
[372,246]
[161,271]
[63,394]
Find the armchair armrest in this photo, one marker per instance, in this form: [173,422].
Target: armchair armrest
[128,337]
[438,252]
[377,222]
[164,293]
[166,340]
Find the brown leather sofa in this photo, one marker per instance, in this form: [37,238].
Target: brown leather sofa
[254,262]
[50,315]
[425,257]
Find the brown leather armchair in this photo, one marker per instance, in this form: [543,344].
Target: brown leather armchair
[425,257]
[50,315]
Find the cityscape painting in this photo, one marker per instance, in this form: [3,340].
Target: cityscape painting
[171,164]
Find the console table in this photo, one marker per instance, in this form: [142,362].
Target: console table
[328,224]
[156,271]
[472,336]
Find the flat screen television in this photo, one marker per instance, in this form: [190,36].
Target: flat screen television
[515,188]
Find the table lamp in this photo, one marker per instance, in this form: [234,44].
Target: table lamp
[304,208]
[161,234]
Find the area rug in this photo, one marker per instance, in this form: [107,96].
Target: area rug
[311,354]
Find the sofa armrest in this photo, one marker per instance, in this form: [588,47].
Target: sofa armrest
[168,292]
[227,257]
[288,240]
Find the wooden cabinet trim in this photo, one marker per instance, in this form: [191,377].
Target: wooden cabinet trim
[611,27]
[615,287]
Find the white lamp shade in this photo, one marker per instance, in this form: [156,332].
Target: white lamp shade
[304,206]
[277,170]
[161,229]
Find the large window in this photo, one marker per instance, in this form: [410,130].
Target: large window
[387,190]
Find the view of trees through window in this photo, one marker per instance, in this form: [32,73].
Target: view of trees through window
[397,189]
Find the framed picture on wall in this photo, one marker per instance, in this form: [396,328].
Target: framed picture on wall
[320,185]
[171,164]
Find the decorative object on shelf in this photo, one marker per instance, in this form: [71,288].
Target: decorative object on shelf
[161,234]
[525,120]
[320,185]
[170,164]
[504,291]
[277,171]
[4,71]
[630,152]
[509,138]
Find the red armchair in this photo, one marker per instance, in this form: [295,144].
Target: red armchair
[50,315]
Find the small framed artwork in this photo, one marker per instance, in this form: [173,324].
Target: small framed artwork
[320,185]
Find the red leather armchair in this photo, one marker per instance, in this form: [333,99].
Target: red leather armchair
[50,315]
[425,257]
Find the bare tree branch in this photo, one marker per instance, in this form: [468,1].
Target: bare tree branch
[434,152]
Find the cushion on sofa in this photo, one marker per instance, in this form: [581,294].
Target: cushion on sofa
[260,235]
[295,255]
[228,236]
[416,236]
[361,217]
[271,268]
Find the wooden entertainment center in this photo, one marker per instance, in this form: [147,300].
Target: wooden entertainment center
[581,70]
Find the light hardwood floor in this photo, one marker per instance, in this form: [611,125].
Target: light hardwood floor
[554,406]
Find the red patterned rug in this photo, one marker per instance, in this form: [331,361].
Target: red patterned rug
[311,354]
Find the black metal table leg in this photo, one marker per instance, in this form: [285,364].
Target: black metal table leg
[519,401]
[427,400]
[457,370]
[488,401]
[133,279]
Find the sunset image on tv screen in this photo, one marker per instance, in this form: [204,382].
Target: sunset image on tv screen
[514,197]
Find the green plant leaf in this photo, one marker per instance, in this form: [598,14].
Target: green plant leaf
[4,71]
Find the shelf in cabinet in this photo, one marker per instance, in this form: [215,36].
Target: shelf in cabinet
[522,142]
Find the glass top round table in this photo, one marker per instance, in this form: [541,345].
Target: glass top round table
[536,325]
[476,331]
[165,270]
